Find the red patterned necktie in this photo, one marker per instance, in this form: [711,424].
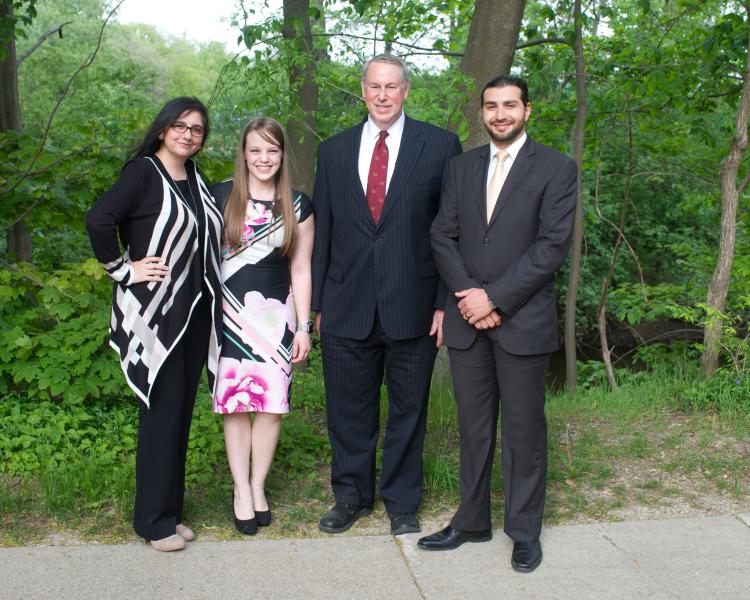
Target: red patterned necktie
[377,177]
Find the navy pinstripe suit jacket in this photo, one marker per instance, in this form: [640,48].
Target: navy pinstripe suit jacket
[359,267]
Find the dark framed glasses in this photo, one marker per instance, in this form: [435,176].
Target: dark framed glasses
[195,130]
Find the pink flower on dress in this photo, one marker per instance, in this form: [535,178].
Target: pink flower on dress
[266,314]
[257,214]
[247,233]
[248,386]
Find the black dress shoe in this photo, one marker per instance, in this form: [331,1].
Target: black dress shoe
[527,556]
[244,526]
[404,523]
[450,538]
[341,517]
[263,517]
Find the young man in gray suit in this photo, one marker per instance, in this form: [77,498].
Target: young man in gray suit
[503,229]
[377,295]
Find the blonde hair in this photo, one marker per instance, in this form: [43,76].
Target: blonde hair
[235,209]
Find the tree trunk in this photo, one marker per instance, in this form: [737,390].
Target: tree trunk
[577,242]
[10,115]
[602,308]
[19,240]
[301,127]
[489,52]
[716,298]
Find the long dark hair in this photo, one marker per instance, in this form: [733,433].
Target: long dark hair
[169,113]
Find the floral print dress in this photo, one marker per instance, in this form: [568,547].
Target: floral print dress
[255,370]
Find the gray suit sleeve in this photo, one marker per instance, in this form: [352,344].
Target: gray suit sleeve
[444,235]
[537,265]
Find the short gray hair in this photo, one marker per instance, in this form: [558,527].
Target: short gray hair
[389,59]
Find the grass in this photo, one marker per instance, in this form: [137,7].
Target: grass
[656,447]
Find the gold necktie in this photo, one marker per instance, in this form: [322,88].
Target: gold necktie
[496,181]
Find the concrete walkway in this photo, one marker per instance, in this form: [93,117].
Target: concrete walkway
[704,558]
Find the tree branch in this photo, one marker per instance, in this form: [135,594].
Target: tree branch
[44,169]
[743,184]
[539,42]
[85,64]
[24,213]
[40,41]
[429,51]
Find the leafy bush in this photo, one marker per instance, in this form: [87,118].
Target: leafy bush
[68,420]
[54,332]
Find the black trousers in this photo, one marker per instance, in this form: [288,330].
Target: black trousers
[353,372]
[485,379]
[164,429]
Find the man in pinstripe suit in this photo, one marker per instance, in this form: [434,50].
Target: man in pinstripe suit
[377,295]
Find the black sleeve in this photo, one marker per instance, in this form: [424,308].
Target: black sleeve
[109,211]
[305,206]
[220,192]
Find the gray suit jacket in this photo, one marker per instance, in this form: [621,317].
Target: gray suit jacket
[515,255]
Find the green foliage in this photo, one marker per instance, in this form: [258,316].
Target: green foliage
[41,437]
[726,393]
[53,335]
[11,26]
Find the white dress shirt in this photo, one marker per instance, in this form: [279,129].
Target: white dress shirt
[370,134]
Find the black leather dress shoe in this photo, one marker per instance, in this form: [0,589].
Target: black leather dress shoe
[527,556]
[450,538]
[404,523]
[341,517]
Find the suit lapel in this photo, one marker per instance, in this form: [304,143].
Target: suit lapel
[409,152]
[349,157]
[521,165]
[478,179]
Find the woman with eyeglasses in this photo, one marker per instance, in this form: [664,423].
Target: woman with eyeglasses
[266,289]
[166,316]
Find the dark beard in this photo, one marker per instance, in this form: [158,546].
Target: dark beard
[509,136]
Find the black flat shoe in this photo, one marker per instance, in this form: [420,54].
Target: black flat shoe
[404,523]
[341,517]
[450,538]
[244,526]
[263,517]
[527,556]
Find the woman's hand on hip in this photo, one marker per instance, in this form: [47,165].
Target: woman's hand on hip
[151,268]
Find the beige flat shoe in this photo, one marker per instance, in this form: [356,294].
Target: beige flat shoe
[185,532]
[168,544]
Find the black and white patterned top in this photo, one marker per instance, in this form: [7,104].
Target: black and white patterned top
[145,209]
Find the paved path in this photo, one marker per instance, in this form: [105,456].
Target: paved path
[682,559]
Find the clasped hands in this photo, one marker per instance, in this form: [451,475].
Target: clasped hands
[474,305]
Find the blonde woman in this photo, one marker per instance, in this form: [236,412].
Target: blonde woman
[266,289]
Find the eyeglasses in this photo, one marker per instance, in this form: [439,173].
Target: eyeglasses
[196,130]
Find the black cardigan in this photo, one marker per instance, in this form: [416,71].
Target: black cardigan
[149,318]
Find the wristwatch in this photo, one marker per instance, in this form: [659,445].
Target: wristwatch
[493,306]
[305,326]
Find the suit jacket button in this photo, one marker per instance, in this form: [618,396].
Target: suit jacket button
[484,282]
[486,242]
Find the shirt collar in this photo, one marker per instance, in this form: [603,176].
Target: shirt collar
[396,129]
[513,149]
